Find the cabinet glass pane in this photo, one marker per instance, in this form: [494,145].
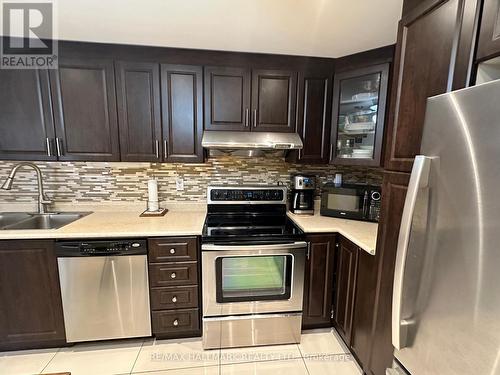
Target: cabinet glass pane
[357,116]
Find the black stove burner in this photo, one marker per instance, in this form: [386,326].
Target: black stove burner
[247,215]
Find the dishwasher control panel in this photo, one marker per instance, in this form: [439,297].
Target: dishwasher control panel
[101,247]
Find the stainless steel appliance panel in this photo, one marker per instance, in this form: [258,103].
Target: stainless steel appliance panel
[301,182]
[251,330]
[446,304]
[105,297]
[211,252]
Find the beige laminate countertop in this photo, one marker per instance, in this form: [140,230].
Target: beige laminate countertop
[181,220]
[362,233]
[116,224]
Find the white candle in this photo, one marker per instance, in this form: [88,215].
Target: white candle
[153,195]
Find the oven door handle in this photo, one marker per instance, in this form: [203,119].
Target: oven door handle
[281,246]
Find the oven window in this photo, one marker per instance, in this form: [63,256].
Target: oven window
[344,202]
[253,278]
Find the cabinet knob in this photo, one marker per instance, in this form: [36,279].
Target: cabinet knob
[173,275]
[175,323]
[174,299]
[172,251]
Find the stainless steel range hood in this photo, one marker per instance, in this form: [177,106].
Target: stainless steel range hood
[231,140]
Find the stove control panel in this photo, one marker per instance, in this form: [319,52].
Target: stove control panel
[274,195]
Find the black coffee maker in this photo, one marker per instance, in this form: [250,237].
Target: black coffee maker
[302,199]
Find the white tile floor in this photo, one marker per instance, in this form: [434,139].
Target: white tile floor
[320,352]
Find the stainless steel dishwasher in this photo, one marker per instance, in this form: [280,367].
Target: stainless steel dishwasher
[104,288]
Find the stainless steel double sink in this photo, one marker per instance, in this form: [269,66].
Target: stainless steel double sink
[25,220]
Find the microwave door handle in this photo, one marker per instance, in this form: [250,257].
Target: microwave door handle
[365,204]
[419,179]
[295,198]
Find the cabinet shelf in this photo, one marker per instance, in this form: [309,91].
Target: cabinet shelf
[351,134]
[367,101]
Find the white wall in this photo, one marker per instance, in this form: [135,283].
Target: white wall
[329,28]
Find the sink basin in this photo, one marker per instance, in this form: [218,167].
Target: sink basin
[53,220]
[9,218]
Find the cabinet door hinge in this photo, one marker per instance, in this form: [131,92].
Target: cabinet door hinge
[331,313]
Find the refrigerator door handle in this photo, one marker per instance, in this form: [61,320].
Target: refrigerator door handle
[419,179]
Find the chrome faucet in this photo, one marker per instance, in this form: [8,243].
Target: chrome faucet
[42,198]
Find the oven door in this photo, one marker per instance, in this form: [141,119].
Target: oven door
[252,279]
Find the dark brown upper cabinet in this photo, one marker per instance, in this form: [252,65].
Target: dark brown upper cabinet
[313,116]
[347,265]
[31,314]
[242,100]
[139,108]
[273,100]
[318,282]
[26,126]
[359,104]
[182,91]
[433,56]
[83,96]
[489,35]
[227,98]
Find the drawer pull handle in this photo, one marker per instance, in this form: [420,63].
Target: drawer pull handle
[175,323]
[172,251]
[173,275]
[174,299]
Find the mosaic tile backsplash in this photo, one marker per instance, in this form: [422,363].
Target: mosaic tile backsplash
[84,182]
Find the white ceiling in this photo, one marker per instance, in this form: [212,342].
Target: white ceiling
[329,28]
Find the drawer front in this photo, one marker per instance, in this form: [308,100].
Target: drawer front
[175,322]
[181,297]
[175,249]
[173,274]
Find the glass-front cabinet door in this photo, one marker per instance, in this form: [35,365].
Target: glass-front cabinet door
[359,103]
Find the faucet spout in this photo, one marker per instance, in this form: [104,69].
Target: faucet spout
[42,198]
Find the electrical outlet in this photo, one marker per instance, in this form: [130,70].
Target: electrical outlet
[179,184]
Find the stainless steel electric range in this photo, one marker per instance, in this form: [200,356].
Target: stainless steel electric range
[253,259]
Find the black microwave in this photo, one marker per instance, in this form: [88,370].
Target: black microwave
[351,201]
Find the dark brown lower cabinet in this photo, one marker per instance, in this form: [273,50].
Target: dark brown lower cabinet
[174,272]
[176,323]
[347,264]
[364,307]
[394,189]
[318,282]
[31,313]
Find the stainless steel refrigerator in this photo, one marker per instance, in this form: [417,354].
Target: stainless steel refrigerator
[446,302]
